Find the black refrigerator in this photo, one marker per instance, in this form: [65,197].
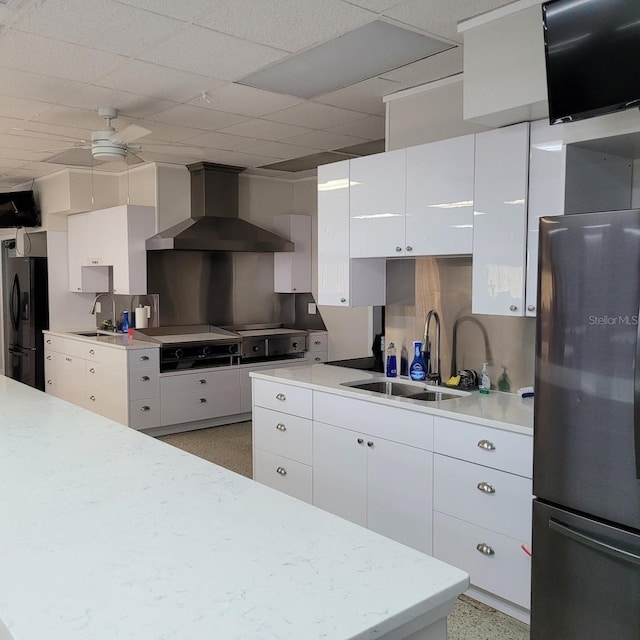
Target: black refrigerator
[586,512]
[26,314]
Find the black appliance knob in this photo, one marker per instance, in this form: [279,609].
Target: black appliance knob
[178,353]
[233,348]
[256,348]
[206,351]
[295,345]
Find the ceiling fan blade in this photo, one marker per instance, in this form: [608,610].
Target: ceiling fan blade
[77,157]
[130,133]
[132,158]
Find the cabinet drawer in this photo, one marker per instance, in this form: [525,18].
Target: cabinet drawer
[144,359]
[391,423]
[506,573]
[108,403]
[105,355]
[283,434]
[55,343]
[199,382]
[314,357]
[211,403]
[143,384]
[512,452]
[278,472]
[318,341]
[144,414]
[283,398]
[491,499]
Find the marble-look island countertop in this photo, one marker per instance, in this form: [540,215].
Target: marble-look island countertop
[499,410]
[110,534]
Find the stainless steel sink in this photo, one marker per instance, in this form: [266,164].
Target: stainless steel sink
[93,334]
[402,390]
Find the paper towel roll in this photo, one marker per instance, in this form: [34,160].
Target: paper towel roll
[141,318]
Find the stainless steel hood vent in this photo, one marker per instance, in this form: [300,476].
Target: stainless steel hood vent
[214,224]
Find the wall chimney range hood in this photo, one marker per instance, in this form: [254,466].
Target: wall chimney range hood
[214,224]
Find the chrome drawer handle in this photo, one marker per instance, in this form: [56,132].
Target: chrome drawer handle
[409,248]
[485,487]
[317,359]
[487,445]
[485,549]
[48,341]
[398,249]
[317,342]
[48,357]
[281,396]
[369,444]
[92,352]
[531,308]
[360,441]
[49,382]
[343,299]
[203,400]
[92,370]
[281,427]
[145,408]
[68,359]
[144,357]
[282,471]
[512,307]
[92,398]
[202,382]
[144,379]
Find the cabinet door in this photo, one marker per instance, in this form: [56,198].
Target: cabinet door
[500,220]
[439,218]
[377,205]
[52,371]
[340,472]
[292,269]
[87,270]
[399,492]
[546,194]
[71,381]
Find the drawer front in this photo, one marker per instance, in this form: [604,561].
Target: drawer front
[278,472]
[199,382]
[491,499]
[143,383]
[314,357]
[318,341]
[283,434]
[506,573]
[212,403]
[512,452]
[144,359]
[391,423]
[107,404]
[144,414]
[283,398]
[55,343]
[106,355]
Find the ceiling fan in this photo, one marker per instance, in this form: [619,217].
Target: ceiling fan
[106,144]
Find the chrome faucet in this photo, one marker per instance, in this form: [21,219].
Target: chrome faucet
[113,307]
[433,374]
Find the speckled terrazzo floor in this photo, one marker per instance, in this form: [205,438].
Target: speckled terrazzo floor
[230,447]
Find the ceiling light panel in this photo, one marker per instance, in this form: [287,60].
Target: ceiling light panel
[370,50]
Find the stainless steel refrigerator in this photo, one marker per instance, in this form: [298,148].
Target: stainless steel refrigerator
[26,314]
[586,515]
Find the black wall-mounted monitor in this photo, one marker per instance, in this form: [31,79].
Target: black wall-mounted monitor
[592,52]
[18,209]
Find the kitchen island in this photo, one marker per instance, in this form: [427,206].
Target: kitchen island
[108,533]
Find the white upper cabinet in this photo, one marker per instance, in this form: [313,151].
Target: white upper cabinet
[342,281]
[439,211]
[378,204]
[113,237]
[500,220]
[292,269]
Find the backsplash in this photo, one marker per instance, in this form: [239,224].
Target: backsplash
[414,286]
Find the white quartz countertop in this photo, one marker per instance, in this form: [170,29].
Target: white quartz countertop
[121,340]
[496,409]
[108,533]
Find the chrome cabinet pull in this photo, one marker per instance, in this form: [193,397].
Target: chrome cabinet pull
[203,400]
[369,444]
[317,342]
[68,359]
[343,299]
[144,379]
[92,370]
[317,359]
[281,427]
[48,341]
[485,487]
[92,352]
[531,308]
[282,471]
[281,396]
[398,249]
[202,382]
[360,441]
[92,398]
[145,408]
[409,248]
[144,357]
[49,382]
[487,445]
[513,307]
[485,549]
[48,357]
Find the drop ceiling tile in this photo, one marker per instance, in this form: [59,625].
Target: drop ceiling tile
[236,98]
[441,65]
[6,163]
[172,148]
[240,159]
[11,107]
[371,128]
[365,96]
[39,169]
[265,130]
[324,140]
[29,52]
[173,158]
[100,24]
[224,141]
[163,132]
[184,10]
[211,54]
[17,141]
[160,82]
[44,130]
[374,5]
[188,115]
[289,25]
[282,151]
[76,117]
[314,115]
[33,86]
[21,154]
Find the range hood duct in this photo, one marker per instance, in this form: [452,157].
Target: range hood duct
[214,224]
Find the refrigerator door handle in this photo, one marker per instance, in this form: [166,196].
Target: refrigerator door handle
[14,303]
[636,398]
[593,543]
[25,307]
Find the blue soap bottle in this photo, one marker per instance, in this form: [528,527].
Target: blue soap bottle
[392,361]
[418,368]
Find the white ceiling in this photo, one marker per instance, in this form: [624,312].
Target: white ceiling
[172,66]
